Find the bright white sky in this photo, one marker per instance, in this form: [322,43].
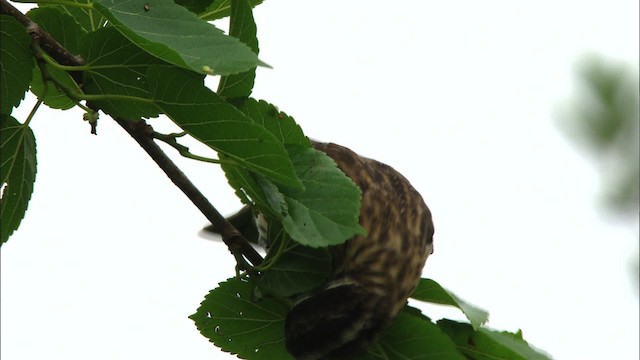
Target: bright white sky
[460,96]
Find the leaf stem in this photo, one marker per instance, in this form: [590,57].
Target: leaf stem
[50,61]
[85,108]
[114,97]
[33,111]
[170,139]
[74,93]
[270,262]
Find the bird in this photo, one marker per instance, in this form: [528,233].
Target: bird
[374,274]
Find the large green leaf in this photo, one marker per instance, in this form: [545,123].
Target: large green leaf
[486,344]
[430,291]
[299,270]
[413,336]
[219,125]
[67,32]
[16,63]
[118,67]
[243,27]
[175,35]
[326,211]
[219,9]
[233,320]
[17,173]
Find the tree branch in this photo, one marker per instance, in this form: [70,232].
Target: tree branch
[142,134]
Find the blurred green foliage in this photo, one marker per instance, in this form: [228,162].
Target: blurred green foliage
[603,117]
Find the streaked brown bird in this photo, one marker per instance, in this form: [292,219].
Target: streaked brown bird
[373,274]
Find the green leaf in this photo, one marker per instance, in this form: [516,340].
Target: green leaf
[326,211]
[67,32]
[88,19]
[195,6]
[236,321]
[413,337]
[219,125]
[222,8]
[175,35]
[249,188]
[277,122]
[233,320]
[430,291]
[298,270]
[17,173]
[118,67]
[243,27]
[486,344]
[16,63]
